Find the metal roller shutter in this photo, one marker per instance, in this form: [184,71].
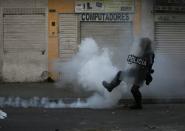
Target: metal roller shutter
[24,44]
[116,36]
[68,31]
[170,37]
[24,32]
[169,66]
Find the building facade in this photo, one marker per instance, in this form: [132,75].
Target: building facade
[169,32]
[23,40]
[72,21]
[34,33]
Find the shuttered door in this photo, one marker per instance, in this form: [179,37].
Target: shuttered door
[170,38]
[68,35]
[169,66]
[115,36]
[24,32]
[24,44]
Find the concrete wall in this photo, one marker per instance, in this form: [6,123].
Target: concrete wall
[143,19]
[147,19]
[137,19]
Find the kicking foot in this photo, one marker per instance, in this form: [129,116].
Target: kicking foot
[3,115]
[107,86]
[136,107]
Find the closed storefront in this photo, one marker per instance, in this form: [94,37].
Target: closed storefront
[24,44]
[68,35]
[170,38]
[109,23]
[24,41]
[170,26]
[170,33]
[97,20]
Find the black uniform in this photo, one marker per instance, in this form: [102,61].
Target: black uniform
[140,71]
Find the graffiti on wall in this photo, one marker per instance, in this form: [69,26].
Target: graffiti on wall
[104,6]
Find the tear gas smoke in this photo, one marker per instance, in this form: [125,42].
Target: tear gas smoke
[88,68]
[3,115]
[91,65]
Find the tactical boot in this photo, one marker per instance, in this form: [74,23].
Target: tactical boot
[114,83]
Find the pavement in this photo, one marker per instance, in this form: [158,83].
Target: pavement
[10,93]
[155,117]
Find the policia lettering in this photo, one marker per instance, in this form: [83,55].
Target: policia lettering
[112,17]
[136,60]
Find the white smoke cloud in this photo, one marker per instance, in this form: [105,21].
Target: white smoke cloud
[88,68]
[3,114]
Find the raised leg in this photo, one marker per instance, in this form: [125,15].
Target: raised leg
[114,83]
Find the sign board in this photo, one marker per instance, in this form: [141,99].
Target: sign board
[169,6]
[104,6]
[106,17]
[170,18]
